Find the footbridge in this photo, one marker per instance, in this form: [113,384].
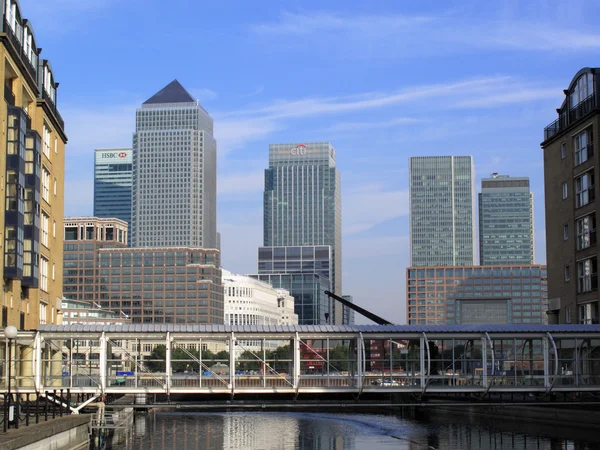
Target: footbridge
[301,359]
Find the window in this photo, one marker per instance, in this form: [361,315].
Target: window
[564,191]
[563,150]
[43,312]
[45,185]
[46,143]
[583,145]
[584,189]
[55,145]
[588,313]
[45,222]
[567,315]
[583,89]
[567,272]
[586,231]
[54,228]
[53,271]
[54,188]
[43,274]
[565,231]
[587,277]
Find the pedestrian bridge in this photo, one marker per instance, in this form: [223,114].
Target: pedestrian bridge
[302,359]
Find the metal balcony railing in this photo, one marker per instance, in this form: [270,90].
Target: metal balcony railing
[573,115]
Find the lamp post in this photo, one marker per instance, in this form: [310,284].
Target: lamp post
[10,333]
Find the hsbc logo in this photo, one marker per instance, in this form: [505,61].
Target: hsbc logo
[299,150]
[114,155]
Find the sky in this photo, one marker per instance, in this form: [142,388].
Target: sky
[380,80]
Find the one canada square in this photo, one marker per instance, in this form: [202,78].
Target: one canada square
[174,172]
[302,200]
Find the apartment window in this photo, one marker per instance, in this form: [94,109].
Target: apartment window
[587,276]
[54,187]
[588,313]
[46,143]
[53,271]
[586,231]
[584,189]
[45,185]
[563,150]
[565,231]
[584,88]
[54,228]
[45,222]
[43,274]
[567,315]
[564,191]
[55,145]
[567,272]
[43,307]
[583,145]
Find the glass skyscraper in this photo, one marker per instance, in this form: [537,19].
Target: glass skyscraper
[174,172]
[442,211]
[112,184]
[505,221]
[302,203]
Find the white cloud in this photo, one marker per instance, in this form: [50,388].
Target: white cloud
[203,94]
[362,126]
[443,33]
[370,205]
[232,134]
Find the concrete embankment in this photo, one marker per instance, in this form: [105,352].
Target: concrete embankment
[69,432]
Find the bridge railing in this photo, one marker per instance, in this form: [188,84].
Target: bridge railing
[164,362]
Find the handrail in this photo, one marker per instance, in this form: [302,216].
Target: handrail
[428,363]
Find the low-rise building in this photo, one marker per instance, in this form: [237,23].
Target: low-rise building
[509,294]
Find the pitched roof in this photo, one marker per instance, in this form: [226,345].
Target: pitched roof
[173,92]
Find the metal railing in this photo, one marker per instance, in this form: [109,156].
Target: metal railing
[573,115]
[28,409]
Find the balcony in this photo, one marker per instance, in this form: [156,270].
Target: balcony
[565,119]
[52,106]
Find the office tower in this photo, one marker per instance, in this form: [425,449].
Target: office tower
[84,236]
[32,169]
[314,259]
[174,172]
[348,314]
[505,221]
[112,184]
[501,294]
[442,211]
[302,202]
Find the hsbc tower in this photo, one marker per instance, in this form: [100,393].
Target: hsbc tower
[112,184]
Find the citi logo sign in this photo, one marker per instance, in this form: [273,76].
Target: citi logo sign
[299,150]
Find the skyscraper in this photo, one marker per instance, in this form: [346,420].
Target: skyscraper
[505,221]
[174,172]
[112,184]
[442,211]
[302,202]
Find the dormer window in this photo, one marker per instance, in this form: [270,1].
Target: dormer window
[582,89]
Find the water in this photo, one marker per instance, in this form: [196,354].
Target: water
[322,431]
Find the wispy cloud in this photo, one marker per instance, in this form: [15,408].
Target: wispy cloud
[234,133]
[203,94]
[369,205]
[362,126]
[451,32]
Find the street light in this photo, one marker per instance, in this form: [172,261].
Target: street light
[10,333]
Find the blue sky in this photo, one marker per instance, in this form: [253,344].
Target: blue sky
[380,80]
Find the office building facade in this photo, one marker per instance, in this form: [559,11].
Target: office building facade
[570,164]
[442,211]
[347,313]
[311,304]
[174,172]
[179,285]
[302,202]
[501,294]
[83,237]
[113,171]
[505,221]
[32,167]
[249,301]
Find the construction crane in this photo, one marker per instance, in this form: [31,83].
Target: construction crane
[369,315]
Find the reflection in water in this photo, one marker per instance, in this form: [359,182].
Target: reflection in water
[320,431]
